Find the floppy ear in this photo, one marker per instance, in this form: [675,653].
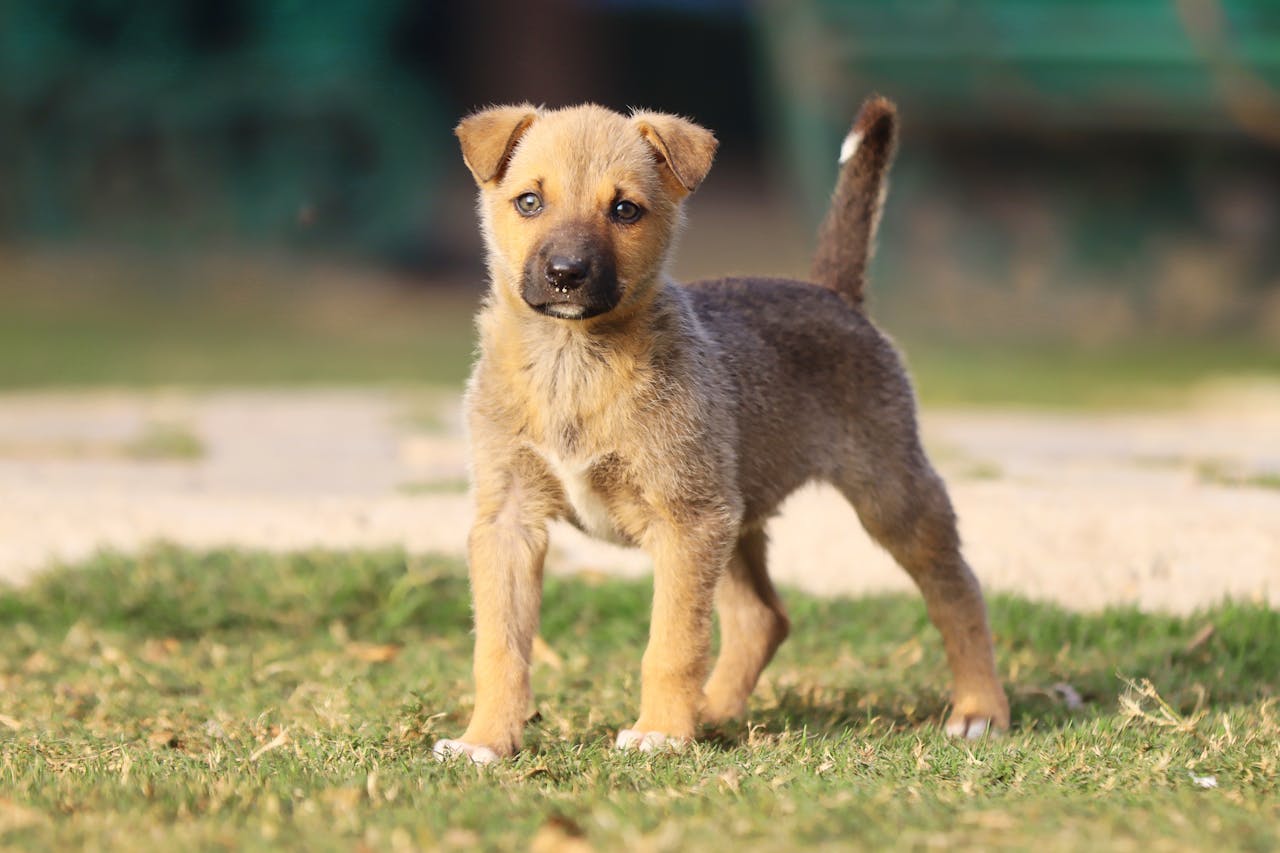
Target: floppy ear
[686,148]
[487,138]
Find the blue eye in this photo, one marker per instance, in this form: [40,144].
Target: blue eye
[626,211]
[529,204]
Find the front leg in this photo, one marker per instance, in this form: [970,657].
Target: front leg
[506,548]
[688,558]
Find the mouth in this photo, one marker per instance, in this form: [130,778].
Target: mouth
[569,310]
[563,310]
[591,299]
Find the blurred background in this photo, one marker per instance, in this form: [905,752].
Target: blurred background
[238,267]
[239,261]
[1086,205]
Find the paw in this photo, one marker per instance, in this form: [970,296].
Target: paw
[970,727]
[718,709]
[978,713]
[446,749]
[647,741]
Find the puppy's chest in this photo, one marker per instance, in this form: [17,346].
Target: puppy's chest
[597,491]
[580,414]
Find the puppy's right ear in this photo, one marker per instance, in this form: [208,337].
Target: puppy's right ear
[685,148]
[488,137]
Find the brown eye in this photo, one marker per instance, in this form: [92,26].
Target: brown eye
[529,204]
[626,211]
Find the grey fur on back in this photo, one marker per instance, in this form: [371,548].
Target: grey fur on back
[805,364]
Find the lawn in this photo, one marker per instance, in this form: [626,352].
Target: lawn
[179,700]
[94,322]
[107,321]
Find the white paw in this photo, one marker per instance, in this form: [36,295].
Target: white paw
[446,749]
[646,741]
[971,728]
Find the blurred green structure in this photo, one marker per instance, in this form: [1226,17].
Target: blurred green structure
[1163,66]
[1083,145]
[1090,170]
[225,121]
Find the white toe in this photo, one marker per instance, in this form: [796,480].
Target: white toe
[649,741]
[643,741]
[970,729]
[446,749]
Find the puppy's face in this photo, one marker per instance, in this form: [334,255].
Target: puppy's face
[580,205]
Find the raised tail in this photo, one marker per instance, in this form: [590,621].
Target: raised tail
[846,240]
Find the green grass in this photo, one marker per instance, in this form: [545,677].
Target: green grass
[1152,372]
[1215,472]
[138,323]
[1220,473]
[154,441]
[447,486]
[179,700]
[165,441]
[166,346]
[111,321]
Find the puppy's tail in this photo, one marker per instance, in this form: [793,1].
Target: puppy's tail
[846,240]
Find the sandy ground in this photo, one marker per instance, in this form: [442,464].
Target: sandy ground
[1168,510]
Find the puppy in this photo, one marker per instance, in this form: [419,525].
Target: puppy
[677,418]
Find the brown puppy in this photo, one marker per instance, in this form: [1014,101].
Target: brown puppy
[678,417]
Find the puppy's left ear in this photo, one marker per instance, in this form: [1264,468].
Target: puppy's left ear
[488,137]
[685,148]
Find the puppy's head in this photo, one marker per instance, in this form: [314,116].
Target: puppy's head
[580,206]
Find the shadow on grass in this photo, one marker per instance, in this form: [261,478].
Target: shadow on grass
[869,664]
[1061,667]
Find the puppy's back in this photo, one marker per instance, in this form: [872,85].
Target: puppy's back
[812,379]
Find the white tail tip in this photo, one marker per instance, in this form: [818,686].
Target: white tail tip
[849,147]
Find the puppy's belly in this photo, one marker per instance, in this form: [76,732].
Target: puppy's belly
[588,504]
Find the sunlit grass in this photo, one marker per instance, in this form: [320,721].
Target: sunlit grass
[165,441]
[444,486]
[1134,374]
[236,322]
[155,441]
[260,323]
[231,699]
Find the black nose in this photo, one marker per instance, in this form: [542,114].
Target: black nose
[566,273]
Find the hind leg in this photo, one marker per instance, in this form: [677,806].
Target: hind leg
[903,504]
[753,623]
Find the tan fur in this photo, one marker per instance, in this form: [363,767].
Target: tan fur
[677,420]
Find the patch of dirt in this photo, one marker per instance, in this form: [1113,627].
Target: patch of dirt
[1083,509]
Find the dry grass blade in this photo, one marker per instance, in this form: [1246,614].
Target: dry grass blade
[1202,636]
[560,835]
[1141,695]
[544,654]
[15,817]
[275,743]
[373,652]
